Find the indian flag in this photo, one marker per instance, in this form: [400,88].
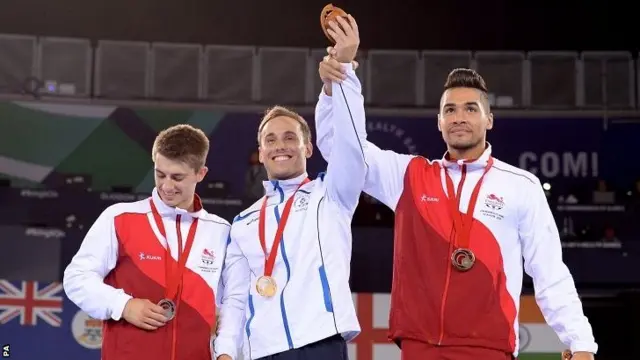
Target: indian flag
[537,340]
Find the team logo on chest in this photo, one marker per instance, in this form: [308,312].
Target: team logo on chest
[302,202]
[494,205]
[207,259]
[494,202]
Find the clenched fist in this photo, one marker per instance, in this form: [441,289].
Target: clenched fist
[331,70]
[144,314]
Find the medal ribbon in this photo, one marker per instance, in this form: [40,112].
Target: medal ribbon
[462,222]
[174,276]
[270,260]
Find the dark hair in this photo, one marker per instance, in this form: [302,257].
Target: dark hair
[182,143]
[462,77]
[278,111]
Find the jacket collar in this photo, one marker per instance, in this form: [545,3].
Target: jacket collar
[166,210]
[479,163]
[273,187]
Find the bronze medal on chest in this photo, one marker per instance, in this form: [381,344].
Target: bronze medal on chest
[463,259]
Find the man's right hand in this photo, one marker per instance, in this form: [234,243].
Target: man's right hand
[144,314]
[331,70]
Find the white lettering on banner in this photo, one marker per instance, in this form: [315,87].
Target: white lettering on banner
[394,130]
[215,201]
[592,245]
[40,194]
[122,197]
[592,208]
[45,233]
[551,164]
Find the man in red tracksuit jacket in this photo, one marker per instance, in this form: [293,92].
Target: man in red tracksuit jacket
[150,268]
[463,225]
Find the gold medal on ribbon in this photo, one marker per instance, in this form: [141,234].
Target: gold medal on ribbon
[463,259]
[266,286]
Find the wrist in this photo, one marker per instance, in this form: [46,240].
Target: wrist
[119,306]
[584,353]
[326,87]
[348,66]
[578,355]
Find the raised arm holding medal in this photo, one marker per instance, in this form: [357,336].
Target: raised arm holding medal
[297,238]
[463,226]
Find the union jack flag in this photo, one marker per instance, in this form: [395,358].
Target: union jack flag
[30,301]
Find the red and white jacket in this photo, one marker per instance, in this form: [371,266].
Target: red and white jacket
[435,304]
[123,256]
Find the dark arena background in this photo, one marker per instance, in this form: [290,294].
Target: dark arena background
[86,85]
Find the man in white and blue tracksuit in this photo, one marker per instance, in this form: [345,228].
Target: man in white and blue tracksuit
[304,308]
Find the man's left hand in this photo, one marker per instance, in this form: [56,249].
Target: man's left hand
[582,355]
[224,357]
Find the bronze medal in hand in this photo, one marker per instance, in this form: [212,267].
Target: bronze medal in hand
[330,13]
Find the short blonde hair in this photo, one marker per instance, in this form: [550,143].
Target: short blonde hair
[182,143]
[278,111]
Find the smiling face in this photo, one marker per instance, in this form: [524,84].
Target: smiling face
[284,147]
[176,181]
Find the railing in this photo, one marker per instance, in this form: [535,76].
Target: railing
[122,70]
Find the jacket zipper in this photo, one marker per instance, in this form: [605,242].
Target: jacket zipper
[174,322]
[448,262]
